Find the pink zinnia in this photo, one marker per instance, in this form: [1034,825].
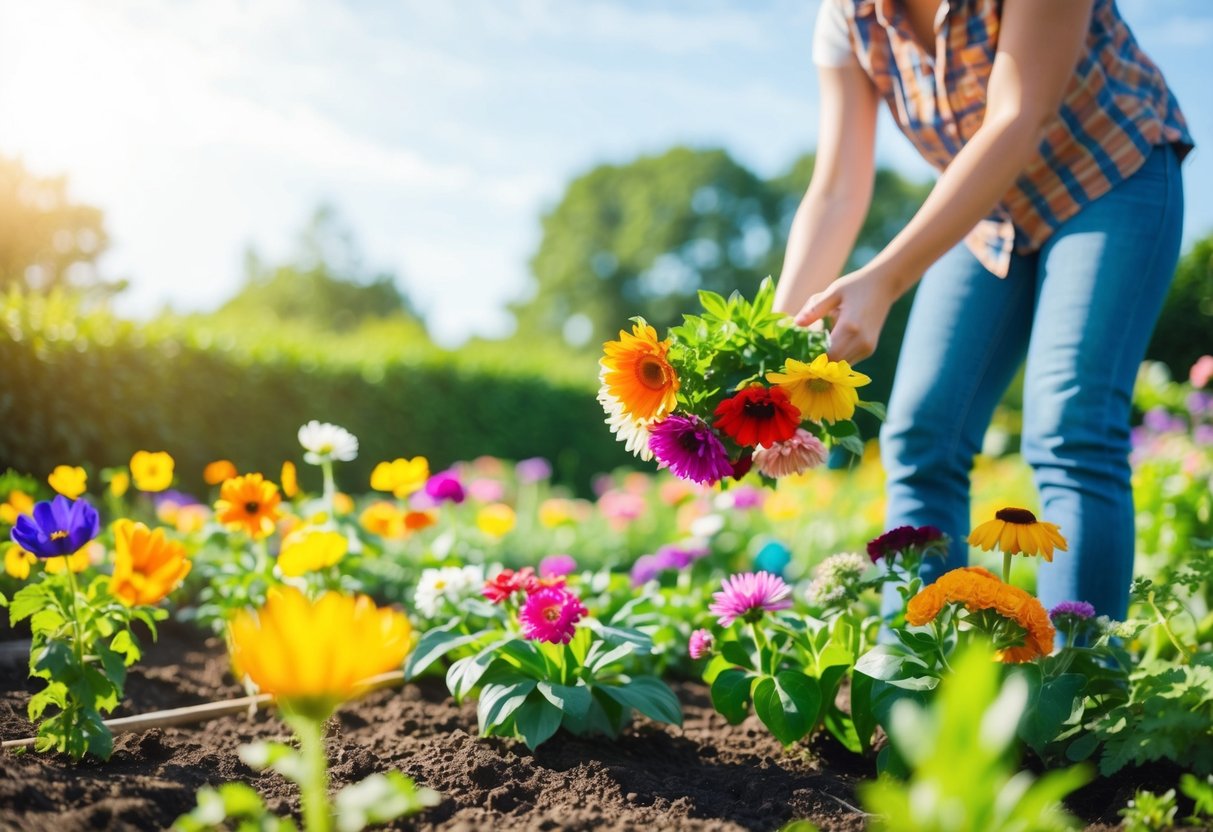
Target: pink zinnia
[689,447]
[748,596]
[700,644]
[800,453]
[551,614]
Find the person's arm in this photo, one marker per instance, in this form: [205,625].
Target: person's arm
[832,211]
[1039,45]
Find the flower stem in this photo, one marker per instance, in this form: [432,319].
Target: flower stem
[77,626]
[314,785]
[1006,567]
[1166,628]
[330,490]
[759,644]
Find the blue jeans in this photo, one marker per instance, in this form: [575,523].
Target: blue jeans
[1081,310]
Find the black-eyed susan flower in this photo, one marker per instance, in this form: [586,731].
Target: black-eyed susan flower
[822,390]
[147,565]
[250,503]
[1015,531]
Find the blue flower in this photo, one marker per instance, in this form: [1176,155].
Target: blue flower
[60,527]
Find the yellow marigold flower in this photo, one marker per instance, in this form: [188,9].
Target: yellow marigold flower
[78,561]
[401,477]
[147,565]
[18,503]
[822,390]
[496,519]
[1016,531]
[152,471]
[384,519]
[289,480]
[70,481]
[636,373]
[343,503]
[315,654]
[219,471]
[17,562]
[308,551]
[250,503]
[120,483]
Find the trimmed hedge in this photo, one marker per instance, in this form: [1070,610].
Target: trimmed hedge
[91,389]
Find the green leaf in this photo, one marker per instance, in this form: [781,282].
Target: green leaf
[537,719]
[862,714]
[379,799]
[29,600]
[464,674]
[851,444]
[1053,705]
[787,704]
[54,661]
[875,408]
[713,303]
[1082,748]
[435,644]
[499,701]
[124,644]
[731,694]
[53,694]
[276,756]
[569,699]
[648,695]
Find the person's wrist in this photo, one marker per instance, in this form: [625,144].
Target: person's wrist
[894,275]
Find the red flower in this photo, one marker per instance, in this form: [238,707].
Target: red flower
[743,464]
[758,415]
[506,582]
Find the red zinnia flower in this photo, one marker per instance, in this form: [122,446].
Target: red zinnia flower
[758,415]
[506,582]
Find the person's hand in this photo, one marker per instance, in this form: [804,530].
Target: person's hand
[858,303]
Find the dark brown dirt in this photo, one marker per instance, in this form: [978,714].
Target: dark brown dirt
[707,775]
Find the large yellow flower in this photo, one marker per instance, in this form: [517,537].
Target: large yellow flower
[322,651]
[70,481]
[147,565]
[152,471]
[401,477]
[1017,531]
[251,503]
[822,390]
[636,374]
[307,551]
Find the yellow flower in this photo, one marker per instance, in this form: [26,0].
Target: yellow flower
[343,503]
[251,503]
[496,519]
[637,375]
[1016,530]
[316,654]
[17,562]
[384,519]
[152,471]
[401,477]
[290,480]
[555,511]
[783,505]
[18,503]
[147,565]
[307,551]
[822,390]
[120,481]
[77,561]
[219,471]
[69,481]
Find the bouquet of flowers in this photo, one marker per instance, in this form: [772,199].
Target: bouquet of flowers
[736,387]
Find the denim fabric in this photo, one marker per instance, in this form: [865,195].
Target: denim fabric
[1081,311]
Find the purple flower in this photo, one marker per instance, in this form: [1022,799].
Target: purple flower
[700,644]
[746,497]
[748,596]
[445,487]
[533,470]
[174,497]
[59,527]
[556,566]
[1159,420]
[1203,435]
[678,557]
[689,447]
[1199,403]
[645,569]
[1077,609]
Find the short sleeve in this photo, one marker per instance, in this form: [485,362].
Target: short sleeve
[832,37]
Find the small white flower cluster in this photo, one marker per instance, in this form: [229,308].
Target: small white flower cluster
[834,576]
[326,442]
[452,583]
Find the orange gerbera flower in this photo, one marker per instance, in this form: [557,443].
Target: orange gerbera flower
[1017,531]
[251,503]
[147,565]
[636,373]
[979,589]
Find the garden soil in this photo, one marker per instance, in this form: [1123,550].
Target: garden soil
[706,775]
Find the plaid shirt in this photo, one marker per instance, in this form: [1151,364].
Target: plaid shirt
[1116,108]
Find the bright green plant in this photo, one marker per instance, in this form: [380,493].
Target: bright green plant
[1150,812]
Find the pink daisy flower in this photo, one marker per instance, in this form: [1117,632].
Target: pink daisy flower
[748,596]
[700,644]
[551,614]
[800,453]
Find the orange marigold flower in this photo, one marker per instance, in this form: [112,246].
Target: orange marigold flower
[250,503]
[219,471]
[636,373]
[1016,531]
[924,606]
[147,565]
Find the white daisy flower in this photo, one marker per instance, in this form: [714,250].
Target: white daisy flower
[449,582]
[634,433]
[325,442]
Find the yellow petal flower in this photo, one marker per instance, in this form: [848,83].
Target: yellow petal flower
[308,551]
[147,565]
[822,390]
[1016,531]
[402,476]
[120,482]
[152,472]
[18,503]
[290,480]
[496,519]
[636,374]
[70,481]
[17,562]
[384,519]
[251,503]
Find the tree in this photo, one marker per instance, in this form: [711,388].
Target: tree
[323,284]
[47,241]
[1185,328]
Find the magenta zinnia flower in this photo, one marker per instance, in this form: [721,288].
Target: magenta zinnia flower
[551,614]
[690,448]
[748,596]
[796,455]
[700,644]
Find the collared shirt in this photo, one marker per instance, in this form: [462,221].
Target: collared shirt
[1115,109]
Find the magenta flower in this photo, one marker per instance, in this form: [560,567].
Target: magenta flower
[700,644]
[445,487]
[551,614]
[748,596]
[689,447]
[557,566]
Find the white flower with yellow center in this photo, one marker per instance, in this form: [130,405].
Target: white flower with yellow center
[325,442]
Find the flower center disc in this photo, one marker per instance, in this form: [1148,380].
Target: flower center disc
[759,410]
[1019,516]
[651,373]
[820,385]
[252,507]
[58,535]
[552,614]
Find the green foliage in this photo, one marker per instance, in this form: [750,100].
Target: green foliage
[1182,334]
[961,758]
[1149,812]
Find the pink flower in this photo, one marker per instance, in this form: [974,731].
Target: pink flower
[551,614]
[557,566]
[700,644]
[800,453]
[1202,371]
[748,596]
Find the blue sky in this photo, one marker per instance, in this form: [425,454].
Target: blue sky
[441,130]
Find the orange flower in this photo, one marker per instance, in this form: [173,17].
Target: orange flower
[1016,530]
[636,373]
[384,519]
[251,503]
[219,471]
[415,521]
[147,565]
